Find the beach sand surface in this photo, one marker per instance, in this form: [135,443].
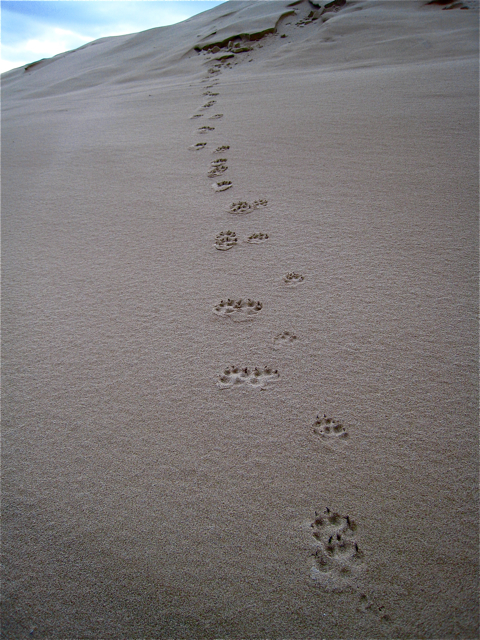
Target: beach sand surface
[153,488]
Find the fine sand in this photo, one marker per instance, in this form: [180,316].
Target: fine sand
[239,328]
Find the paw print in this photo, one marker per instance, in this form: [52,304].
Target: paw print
[329,428]
[225,240]
[337,556]
[369,606]
[241,207]
[283,339]
[198,146]
[257,238]
[256,378]
[222,186]
[217,170]
[293,279]
[238,310]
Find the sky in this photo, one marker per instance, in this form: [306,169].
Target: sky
[31,31]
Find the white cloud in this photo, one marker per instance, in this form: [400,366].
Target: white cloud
[6,65]
[55,44]
[44,39]
[57,41]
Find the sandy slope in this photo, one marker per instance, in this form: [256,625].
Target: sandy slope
[140,498]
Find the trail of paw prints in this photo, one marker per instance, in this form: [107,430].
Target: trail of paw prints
[206,129]
[207,105]
[219,167]
[257,238]
[293,279]
[224,60]
[210,94]
[212,72]
[214,82]
[238,310]
[225,240]
[329,429]
[284,339]
[242,207]
[337,559]
[253,379]
[237,50]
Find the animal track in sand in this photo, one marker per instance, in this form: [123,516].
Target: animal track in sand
[210,94]
[209,104]
[222,186]
[232,52]
[212,79]
[337,557]
[329,428]
[217,116]
[239,310]
[257,238]
[367,605]
[283,339]
[197,115]
[206,129]
[218,167]
[238,377]
[225,240]
[198,146]
[241,206]
[293,279]
[222,148]
[217,170]
[338,561]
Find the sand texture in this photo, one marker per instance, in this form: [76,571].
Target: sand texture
[240,328]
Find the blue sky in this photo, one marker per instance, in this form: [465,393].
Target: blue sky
[41,29]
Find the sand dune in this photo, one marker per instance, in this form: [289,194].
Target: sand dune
[239,317]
